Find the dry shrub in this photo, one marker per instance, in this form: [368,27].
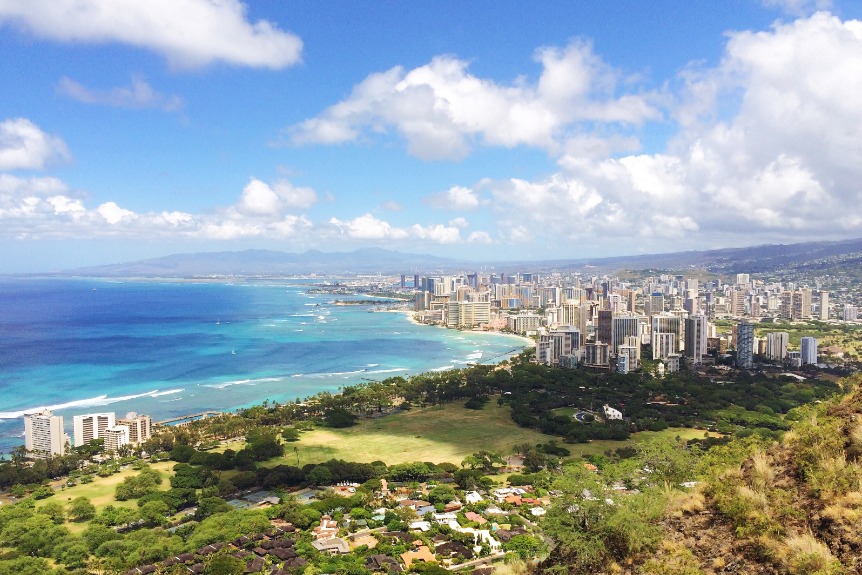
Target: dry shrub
[757,499]
[682,503]
[834,477]
[846,510]
[762,472]
[512,567]
[672,559]
[806,555]
[854,440]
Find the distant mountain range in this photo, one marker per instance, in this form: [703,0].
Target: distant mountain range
[754,259]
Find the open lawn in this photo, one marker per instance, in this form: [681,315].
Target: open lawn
[446,434]
[101,491]
[599,446]
[438,435]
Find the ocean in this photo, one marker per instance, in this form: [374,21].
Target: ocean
[167,349]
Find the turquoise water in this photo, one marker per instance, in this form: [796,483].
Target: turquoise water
[169,349]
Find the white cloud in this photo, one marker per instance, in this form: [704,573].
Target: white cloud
[139,95]
[24,146]
[189,33]
[482,238]
[39,208]
[768,150]
[367,227]
[442,110]
[261,199]
[113,213]
[456,198]
[437,233]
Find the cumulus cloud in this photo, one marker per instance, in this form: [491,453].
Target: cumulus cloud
[24,146]
[367,227]
[261,199]
[139,95]
[482,238]
[442,110]
[41,207]
[782,162]
[189,33]
[456,198]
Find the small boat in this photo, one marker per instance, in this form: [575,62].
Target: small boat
[233,351]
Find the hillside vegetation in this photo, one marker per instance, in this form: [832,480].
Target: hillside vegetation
[789,507]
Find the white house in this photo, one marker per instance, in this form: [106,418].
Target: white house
[611,413]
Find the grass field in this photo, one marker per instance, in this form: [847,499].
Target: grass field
[433,434]
[438,435]
[101,491]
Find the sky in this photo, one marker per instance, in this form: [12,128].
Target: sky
[482,130]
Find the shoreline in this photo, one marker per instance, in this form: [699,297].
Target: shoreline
[528,342]
[165,398]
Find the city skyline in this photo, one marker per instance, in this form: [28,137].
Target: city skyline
[133,130]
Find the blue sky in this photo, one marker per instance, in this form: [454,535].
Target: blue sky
[478,130]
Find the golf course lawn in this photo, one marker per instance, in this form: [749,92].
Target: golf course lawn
[447,434]
[101,491]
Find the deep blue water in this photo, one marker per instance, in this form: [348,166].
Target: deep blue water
[168,349]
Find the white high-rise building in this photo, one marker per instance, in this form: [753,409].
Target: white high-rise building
[695,338]
[115,437]
[850,312]
[552,345]
[43,434]
[140,427]
[623,327]
[664,344]
[632,354]
[86,428]
[824,305]
[808,350]
[467,314]
[776,345]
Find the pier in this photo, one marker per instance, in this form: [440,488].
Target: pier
[186,419]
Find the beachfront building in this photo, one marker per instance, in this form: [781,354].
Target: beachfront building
[115,437]
[86,428]
[140,427]
[523,323]
[467,314]
[43,434]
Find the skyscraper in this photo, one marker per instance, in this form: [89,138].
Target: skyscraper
[695,337]
[744,345]
[824,305]
[43,434]
[140,427]
[605,326]
[624,326]
[808,349]
[776,345]
[86,428]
